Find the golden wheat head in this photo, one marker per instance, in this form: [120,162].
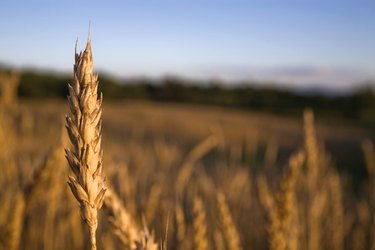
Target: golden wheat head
[84,129]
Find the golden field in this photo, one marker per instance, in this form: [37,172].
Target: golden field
[150,176]
[197,177]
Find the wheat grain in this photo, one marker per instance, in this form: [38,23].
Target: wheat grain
[84,130]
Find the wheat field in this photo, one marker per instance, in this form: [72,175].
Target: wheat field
[177,177]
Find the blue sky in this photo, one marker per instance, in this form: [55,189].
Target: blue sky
[300,42]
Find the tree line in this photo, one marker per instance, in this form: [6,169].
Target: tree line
[356,106]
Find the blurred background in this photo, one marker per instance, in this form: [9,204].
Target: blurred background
[271,56]
[237,86]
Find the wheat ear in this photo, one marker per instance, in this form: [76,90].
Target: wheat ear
[84,129]
[230,231]
[281,210]
[181,225]
[311,148]
[16,223]
[200,225]
[124,227]
[8,88]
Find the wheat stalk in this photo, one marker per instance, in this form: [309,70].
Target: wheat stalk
[287,204]
[181,225]
[194,155]
[200,225]
[315,220]
[337,217]
[84,129]
[276,238]
[9,172]
[230,231]
[311,148]
[219,241]
[368,153]
[283,231]
[16,223]
[8,88]
[124,227]
[359,235]
[153,202]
